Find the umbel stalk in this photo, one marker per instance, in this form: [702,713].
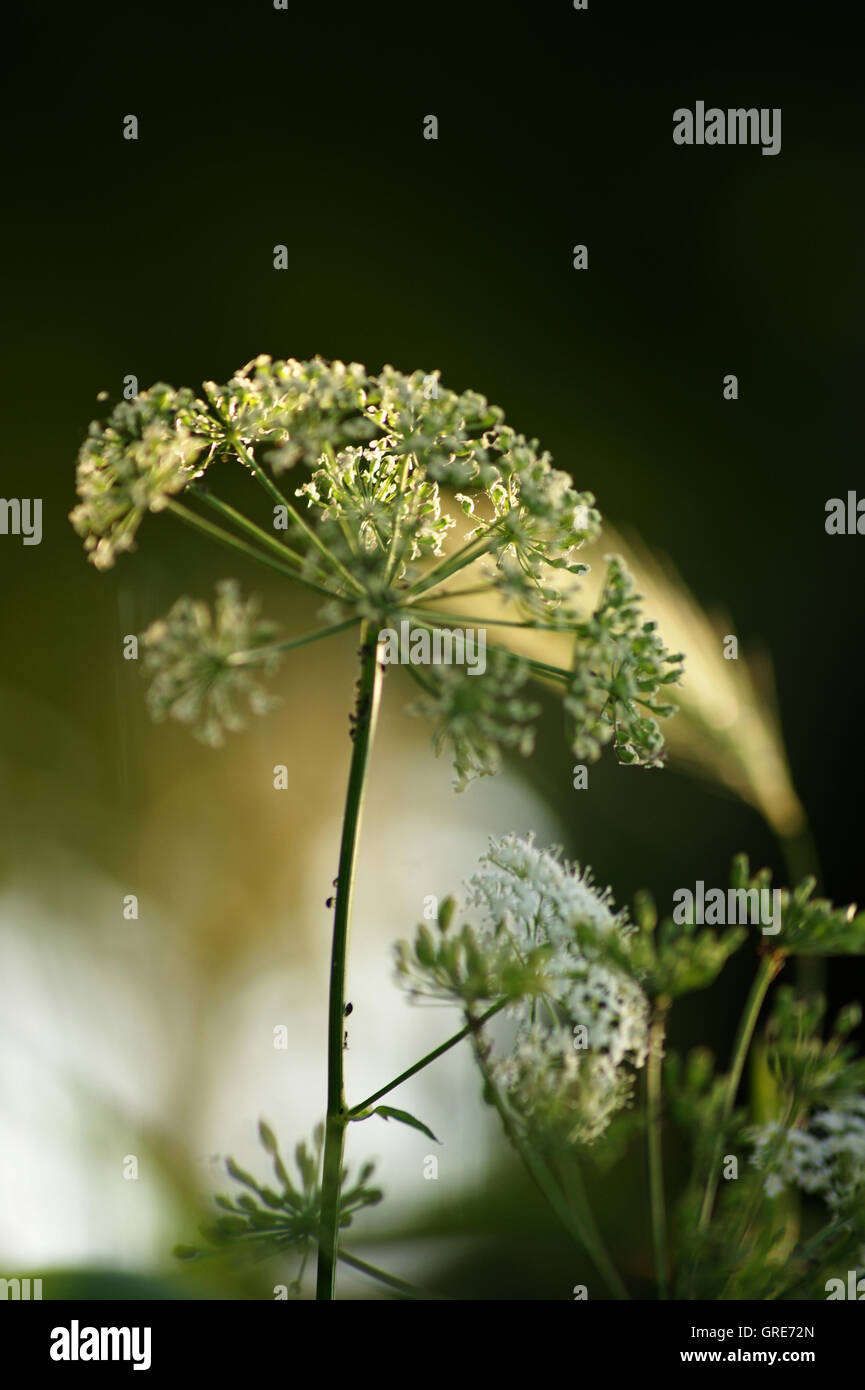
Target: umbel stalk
[363,730]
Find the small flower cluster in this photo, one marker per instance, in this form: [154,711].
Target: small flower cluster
[296,411]
[196,661]
[470,965]
[825,1158]
[378,512]
[145,454]
[478,716]
[620,665]
[517,883]
[263,1221]
[531,943]
[560,1095]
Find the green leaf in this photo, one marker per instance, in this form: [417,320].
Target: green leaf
[388,1112]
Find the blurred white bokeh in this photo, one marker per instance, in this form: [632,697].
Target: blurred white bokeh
[144,1038]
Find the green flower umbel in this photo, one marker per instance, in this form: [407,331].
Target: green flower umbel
[386,470]
[200,662]
[145,454]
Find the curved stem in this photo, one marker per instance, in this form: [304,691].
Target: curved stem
[391,1280]
[656,1166]
[579,1222]
[769,967]
[591,1235]
[365,716]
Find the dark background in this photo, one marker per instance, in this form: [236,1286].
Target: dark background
[304,127]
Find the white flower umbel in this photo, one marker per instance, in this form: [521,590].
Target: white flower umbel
[614,1011]
[539,892]
[557,1091]
[826,1159]
[570,1067]
[535,937]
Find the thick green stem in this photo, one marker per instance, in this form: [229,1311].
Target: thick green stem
[769,967]
[365,717]
[656,1165]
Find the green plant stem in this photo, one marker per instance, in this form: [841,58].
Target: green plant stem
[459,593]
[257,533]
[349,534]
[451,564]
[539,668]
[261,476]
[543,668]
[591,1236]
[430,1057]
[656,1163]
[393,548]
[802,861]
[583,1230]
[365,717]
[391,1280]
[216,533]
[768,969]
[833,1229]
[479,620]
[255,653]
